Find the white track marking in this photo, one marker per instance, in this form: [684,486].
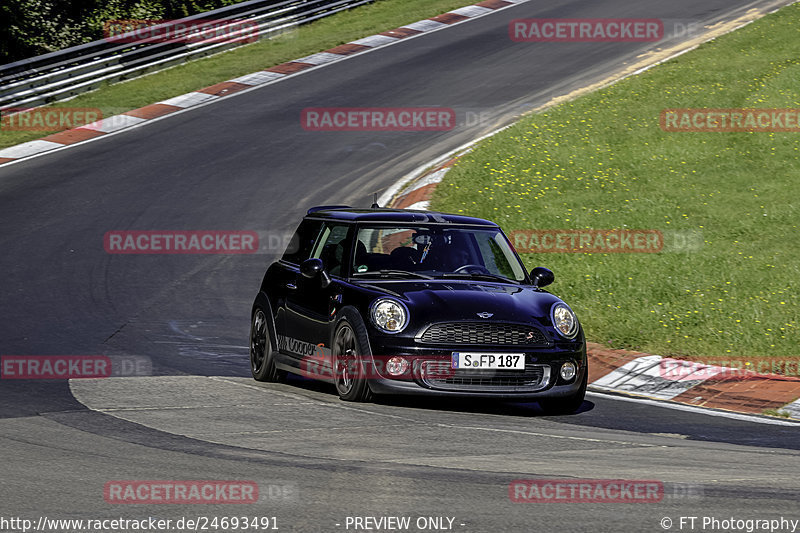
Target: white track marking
[189,99]
[113,123]
[29,148]
[698,410]
[320,58]
[472,11]
[258,78]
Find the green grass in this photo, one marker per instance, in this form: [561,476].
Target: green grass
[603,162]
[305,40]
[777,413]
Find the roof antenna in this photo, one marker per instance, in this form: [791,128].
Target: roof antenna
[375,201]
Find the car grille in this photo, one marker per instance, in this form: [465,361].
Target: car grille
[441,375]
[485,333]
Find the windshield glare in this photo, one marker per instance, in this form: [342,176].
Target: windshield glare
[436,251]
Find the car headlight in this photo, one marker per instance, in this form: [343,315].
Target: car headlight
[565,320]
[389,315]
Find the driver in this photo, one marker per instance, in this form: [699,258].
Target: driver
[440,252]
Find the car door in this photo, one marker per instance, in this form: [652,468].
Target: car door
[309,305]
[284,282]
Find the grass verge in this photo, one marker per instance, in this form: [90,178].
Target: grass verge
[602,161]
[305,40]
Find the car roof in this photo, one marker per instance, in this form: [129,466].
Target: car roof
[381,214]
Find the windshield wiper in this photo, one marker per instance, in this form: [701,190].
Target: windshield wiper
[392,272]
[479,275]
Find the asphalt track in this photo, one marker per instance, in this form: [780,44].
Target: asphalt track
[245,163]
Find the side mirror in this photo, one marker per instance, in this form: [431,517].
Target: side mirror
[542,277]
[312,268]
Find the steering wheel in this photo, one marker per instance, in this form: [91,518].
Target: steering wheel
[480,268]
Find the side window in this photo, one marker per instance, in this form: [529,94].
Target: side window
[302,242]
[330,247]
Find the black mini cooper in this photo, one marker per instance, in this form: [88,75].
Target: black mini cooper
[391,301]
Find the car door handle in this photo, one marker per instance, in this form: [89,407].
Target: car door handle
[291,286]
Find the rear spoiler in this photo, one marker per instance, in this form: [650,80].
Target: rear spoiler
[326,208]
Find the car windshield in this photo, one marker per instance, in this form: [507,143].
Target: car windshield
[436,251]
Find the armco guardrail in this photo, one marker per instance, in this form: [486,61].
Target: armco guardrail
[69,72]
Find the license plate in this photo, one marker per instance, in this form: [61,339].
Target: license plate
[488,361]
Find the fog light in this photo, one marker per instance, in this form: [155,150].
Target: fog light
[568,371]
[397,366]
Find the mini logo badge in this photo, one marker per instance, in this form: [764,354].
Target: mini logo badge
[485,315]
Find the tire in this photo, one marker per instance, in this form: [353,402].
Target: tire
[262,362]
[349,346]
[568,404]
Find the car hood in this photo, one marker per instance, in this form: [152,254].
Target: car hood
[454,300]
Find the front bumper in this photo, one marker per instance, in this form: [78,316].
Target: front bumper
[430,373]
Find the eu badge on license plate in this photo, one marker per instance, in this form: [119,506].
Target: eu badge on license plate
[488,361]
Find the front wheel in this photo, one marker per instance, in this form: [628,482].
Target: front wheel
[349,342]
[262,360]
[568,404]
